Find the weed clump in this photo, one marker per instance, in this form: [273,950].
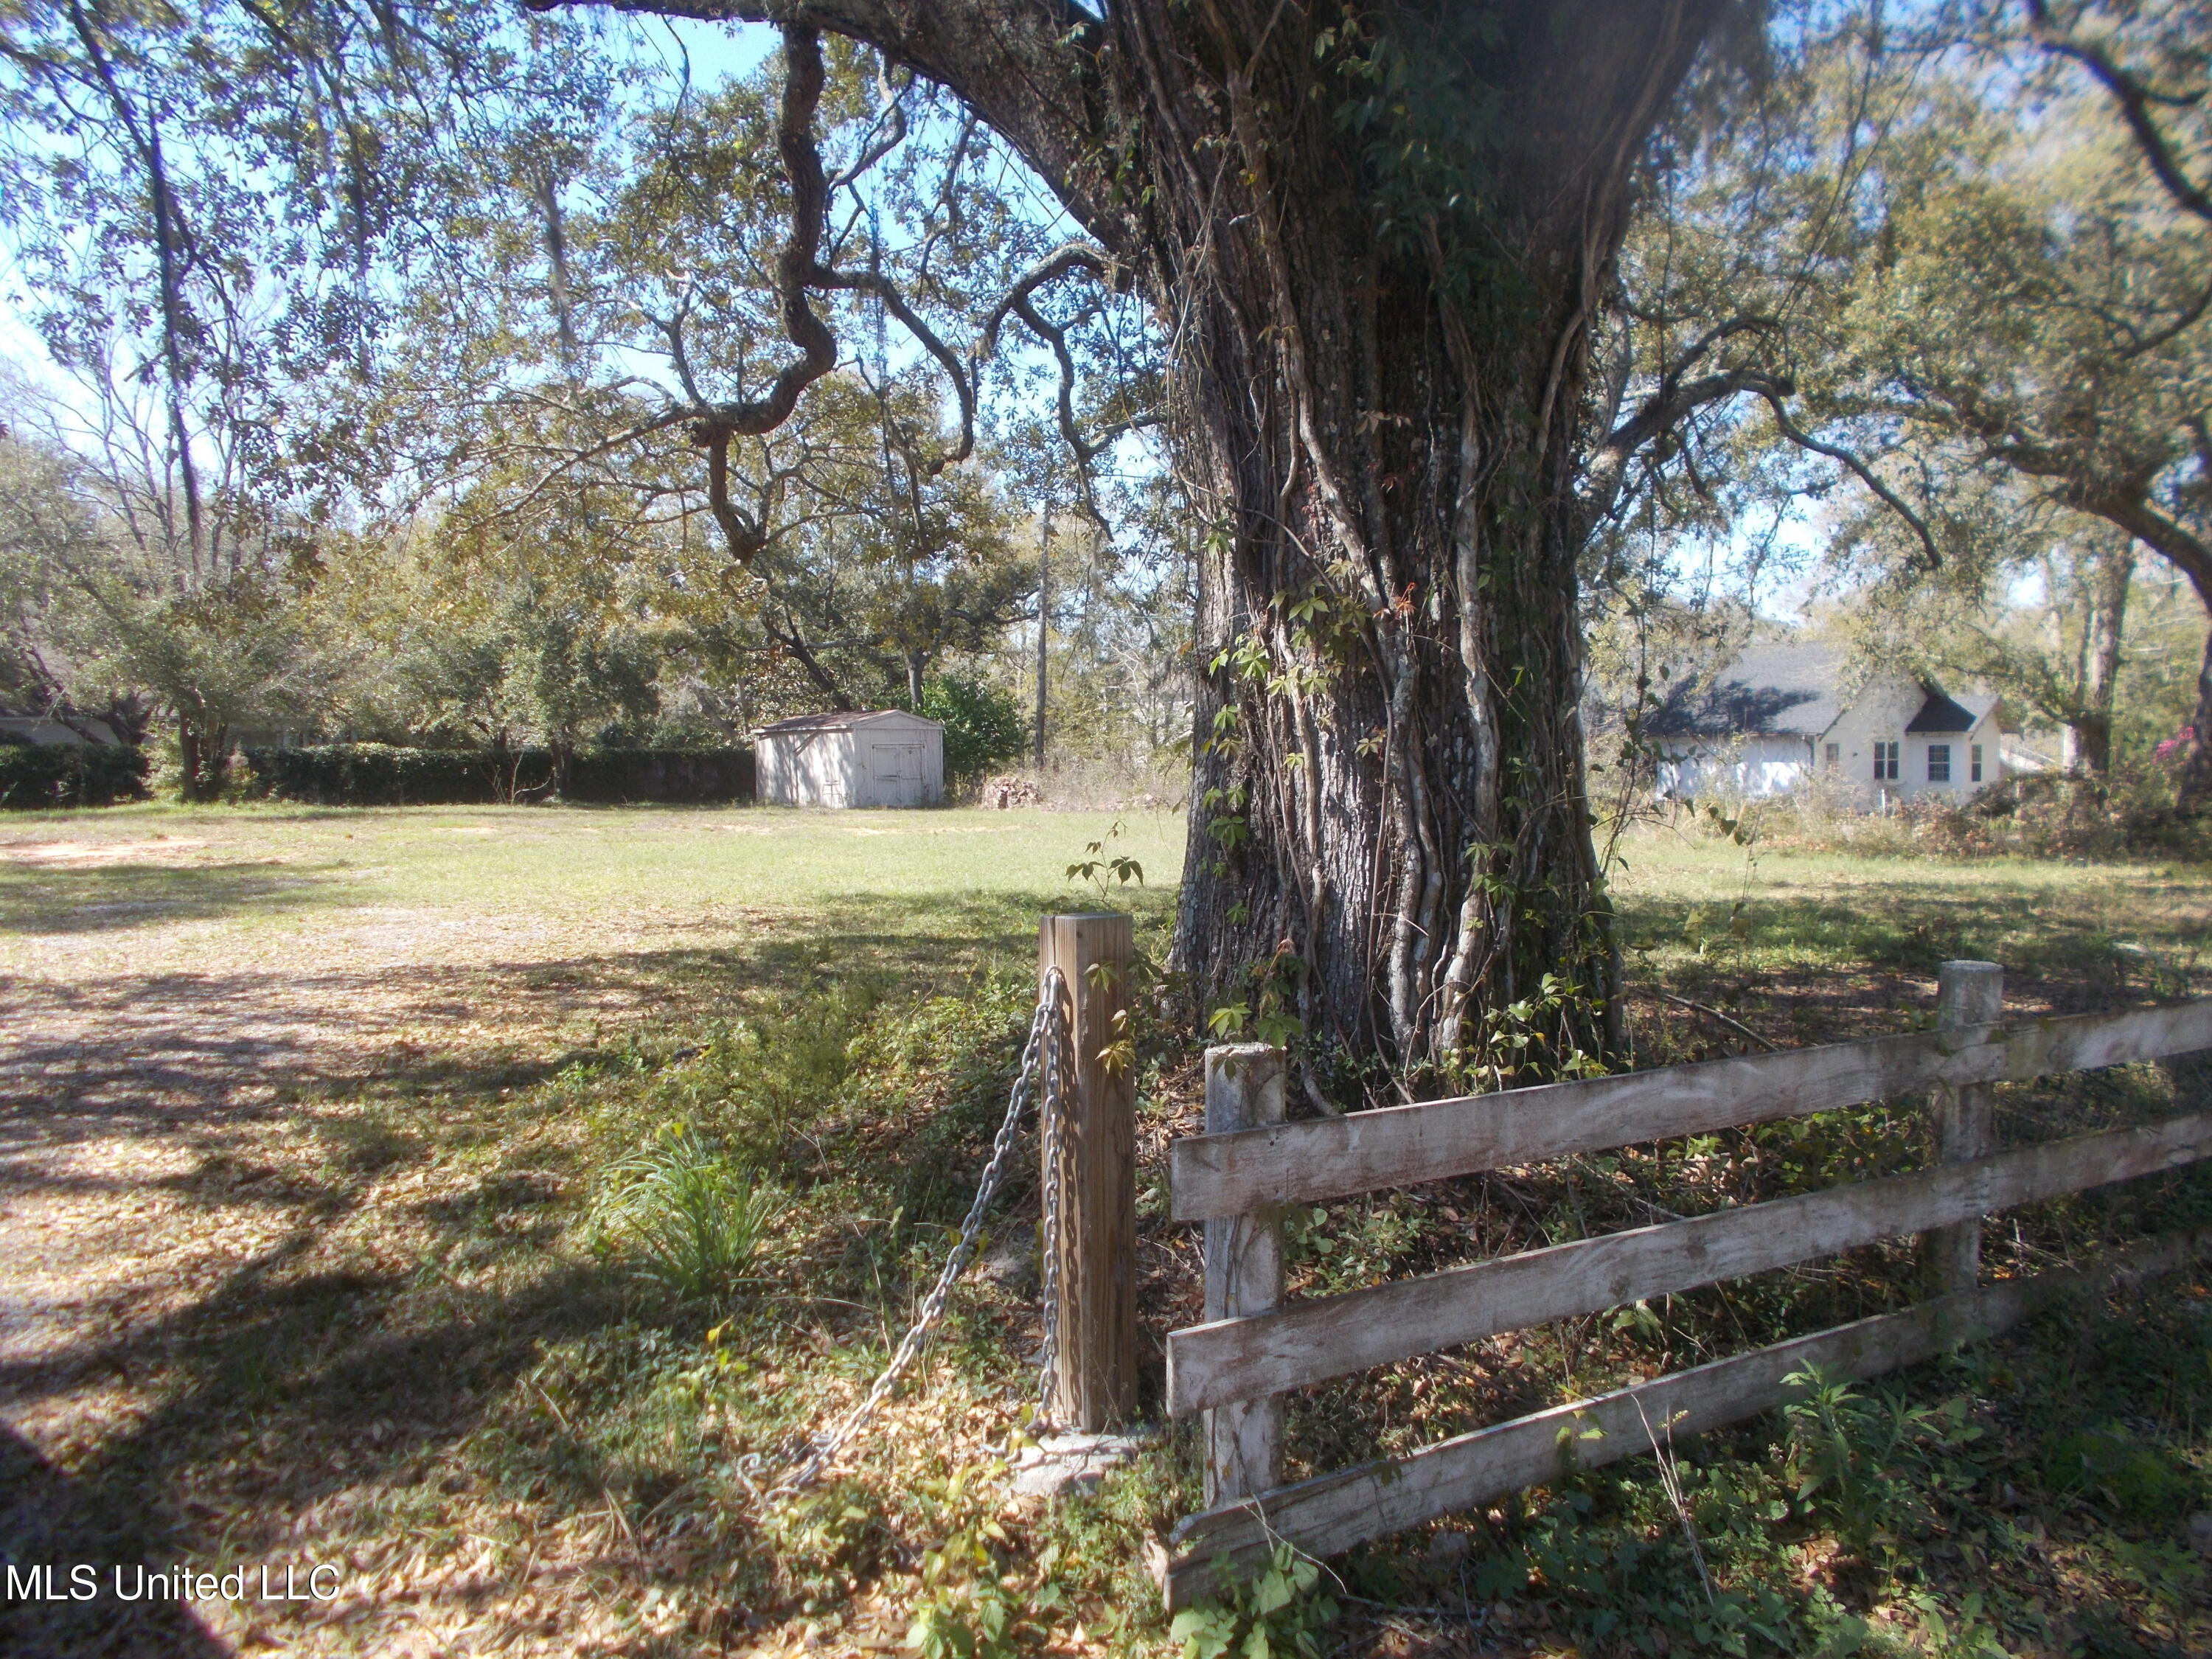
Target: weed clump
[2110,1464]
[692,1219]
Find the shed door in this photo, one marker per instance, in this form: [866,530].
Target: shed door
[897,770]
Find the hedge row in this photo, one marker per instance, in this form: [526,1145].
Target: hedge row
[661,774]
[70,775]
[380,774]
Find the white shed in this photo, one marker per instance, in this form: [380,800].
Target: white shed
[851,758]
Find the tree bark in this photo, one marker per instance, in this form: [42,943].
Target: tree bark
[1044,624]
[2129,507]
[188,757]
[203,757]
[1390,834]
[2194,788]
[2102,631]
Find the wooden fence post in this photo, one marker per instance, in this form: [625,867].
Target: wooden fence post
[1094,1384]
[1967,993]
[1244,1274]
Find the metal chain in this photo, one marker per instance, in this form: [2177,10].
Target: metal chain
[1043,1062]
[1052,1124]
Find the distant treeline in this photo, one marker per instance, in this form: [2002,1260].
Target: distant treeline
[70,775]
[382,774]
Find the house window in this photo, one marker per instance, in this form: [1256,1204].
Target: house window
[1831,754]
[1974,762]
[1939,762]
[1885,761]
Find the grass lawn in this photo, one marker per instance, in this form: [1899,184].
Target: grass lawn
[325,1138]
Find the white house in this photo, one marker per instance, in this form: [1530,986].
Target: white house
[851,758]
[1776,720]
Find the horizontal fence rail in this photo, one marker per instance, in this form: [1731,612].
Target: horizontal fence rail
[1332,1513]
[1309,1342]
[1223,1175]
[1243,1364]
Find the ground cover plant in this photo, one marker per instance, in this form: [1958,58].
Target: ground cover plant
[485,1200]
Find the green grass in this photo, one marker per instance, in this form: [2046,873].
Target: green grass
[451,1365]
[290,868]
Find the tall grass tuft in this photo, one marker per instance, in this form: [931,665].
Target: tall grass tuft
[691,1218]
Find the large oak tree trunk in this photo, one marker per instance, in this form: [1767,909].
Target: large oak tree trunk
[1381,428]
[203,757]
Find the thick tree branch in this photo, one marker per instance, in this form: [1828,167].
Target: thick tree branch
[1029,68]
[2135,100]
[1060,262]
[1673,401]
[799,263]
[2166,537]
[1020,300]
[792,638]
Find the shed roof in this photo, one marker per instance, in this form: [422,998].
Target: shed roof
[838,719]
[1783,689]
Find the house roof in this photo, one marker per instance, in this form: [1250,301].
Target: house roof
[837,719]
[1783,689]
[39,729]
[1941,712]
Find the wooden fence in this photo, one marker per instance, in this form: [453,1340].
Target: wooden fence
[1236,1177]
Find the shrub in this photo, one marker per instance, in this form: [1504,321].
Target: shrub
[71,774]
[383,775]
[617,776]
[982,726]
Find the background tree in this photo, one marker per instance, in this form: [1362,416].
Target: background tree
[125,613]
[1941,255]
[49,529]
[983,726]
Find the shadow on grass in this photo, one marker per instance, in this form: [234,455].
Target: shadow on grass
[319,1377]
[298,1406]
[304,1382]
[115,896]
[49,1520]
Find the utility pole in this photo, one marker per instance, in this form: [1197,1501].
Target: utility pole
[1044,618]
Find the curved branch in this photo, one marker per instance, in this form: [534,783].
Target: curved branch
[1020,300]
[1667,408]
[1060,262]
[2135,100]
[1774,393]
[2183,322]
[1031,69]
[2187,553]
[886,137]
[797,266]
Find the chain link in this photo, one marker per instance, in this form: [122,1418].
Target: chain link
[1043,1072]
[1052,1123]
